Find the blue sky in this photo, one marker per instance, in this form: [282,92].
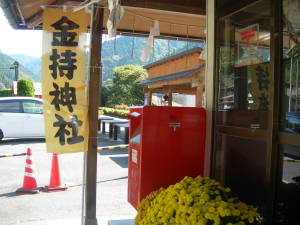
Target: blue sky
[27,42]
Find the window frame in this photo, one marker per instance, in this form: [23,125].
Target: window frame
[28,101]
[12,101]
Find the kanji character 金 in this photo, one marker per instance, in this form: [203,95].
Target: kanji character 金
[64,38]
[65,65]
[64,127]
[65,96]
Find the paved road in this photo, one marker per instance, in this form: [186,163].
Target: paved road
[35,209]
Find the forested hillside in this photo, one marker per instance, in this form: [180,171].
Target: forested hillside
[123,50]
[127,50]
[7,73]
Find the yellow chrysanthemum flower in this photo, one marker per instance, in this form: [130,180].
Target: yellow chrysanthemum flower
[195,201]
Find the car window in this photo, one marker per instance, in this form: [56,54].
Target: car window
[11,106]
[32,107]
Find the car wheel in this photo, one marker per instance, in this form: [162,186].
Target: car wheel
[1,135]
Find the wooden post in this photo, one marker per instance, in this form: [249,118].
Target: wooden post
[170,97]
[94,98]
[149,99]
[210,74]
[199,95]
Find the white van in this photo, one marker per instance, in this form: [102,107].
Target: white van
[21,117]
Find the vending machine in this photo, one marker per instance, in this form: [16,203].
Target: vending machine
[165,144]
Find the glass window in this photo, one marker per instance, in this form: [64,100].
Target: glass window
[242,169]
[288,194]
[32,107]
[244,74]
[11,106]
[290,96]
[287,207]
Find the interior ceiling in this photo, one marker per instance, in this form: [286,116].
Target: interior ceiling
[177,18]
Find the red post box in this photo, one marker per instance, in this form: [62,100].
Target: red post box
[165,144]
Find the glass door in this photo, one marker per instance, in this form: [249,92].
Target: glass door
[288,194]
[243,107]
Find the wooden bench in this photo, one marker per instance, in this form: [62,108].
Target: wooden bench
[102,117]
[117,127]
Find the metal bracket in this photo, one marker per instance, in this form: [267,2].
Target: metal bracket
[174,125]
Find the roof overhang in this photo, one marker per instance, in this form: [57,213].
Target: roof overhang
[172,57]
[172,76]
[178,18]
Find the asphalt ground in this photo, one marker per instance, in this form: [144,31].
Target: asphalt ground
[66,205]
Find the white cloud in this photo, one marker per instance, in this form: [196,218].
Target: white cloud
[27,42]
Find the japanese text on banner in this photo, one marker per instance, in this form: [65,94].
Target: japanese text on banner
[63,80]
[261,79]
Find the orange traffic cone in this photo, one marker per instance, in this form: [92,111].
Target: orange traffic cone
[55,182]
[29,182]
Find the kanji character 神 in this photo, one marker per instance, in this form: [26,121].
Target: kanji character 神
[65,96]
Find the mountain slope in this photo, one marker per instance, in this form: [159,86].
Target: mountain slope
[31,63]
[7,74]
[127,50]
[116,52]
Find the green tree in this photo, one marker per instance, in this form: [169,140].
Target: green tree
[124,87]
[25,88]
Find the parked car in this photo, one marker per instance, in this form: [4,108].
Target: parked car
[21,117]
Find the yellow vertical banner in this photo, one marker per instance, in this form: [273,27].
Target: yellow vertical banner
[64,81]
[260,86]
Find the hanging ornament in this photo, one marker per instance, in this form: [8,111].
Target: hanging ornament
[133,38]
[187,45]
[115,45]
[170,28]
[115,16]
[203,54]
[154,31]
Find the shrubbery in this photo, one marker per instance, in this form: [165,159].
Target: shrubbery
[123,107]
[6,92]
[25,88]
[113,112]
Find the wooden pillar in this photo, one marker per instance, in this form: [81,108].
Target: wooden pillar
[149,98]
[170,97]
[209,86]
[199,95]
[94,99]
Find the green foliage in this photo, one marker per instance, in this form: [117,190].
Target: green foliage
[113,112]
[31,64]
[127,50]
[104,95]
[124,50]
[226,67]
[25,88]
[5,82]
[100,111]
[124,107]
[6,92]
[124,87]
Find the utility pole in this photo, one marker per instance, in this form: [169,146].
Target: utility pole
[16,67]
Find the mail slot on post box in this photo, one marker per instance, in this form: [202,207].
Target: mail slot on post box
[165,144]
